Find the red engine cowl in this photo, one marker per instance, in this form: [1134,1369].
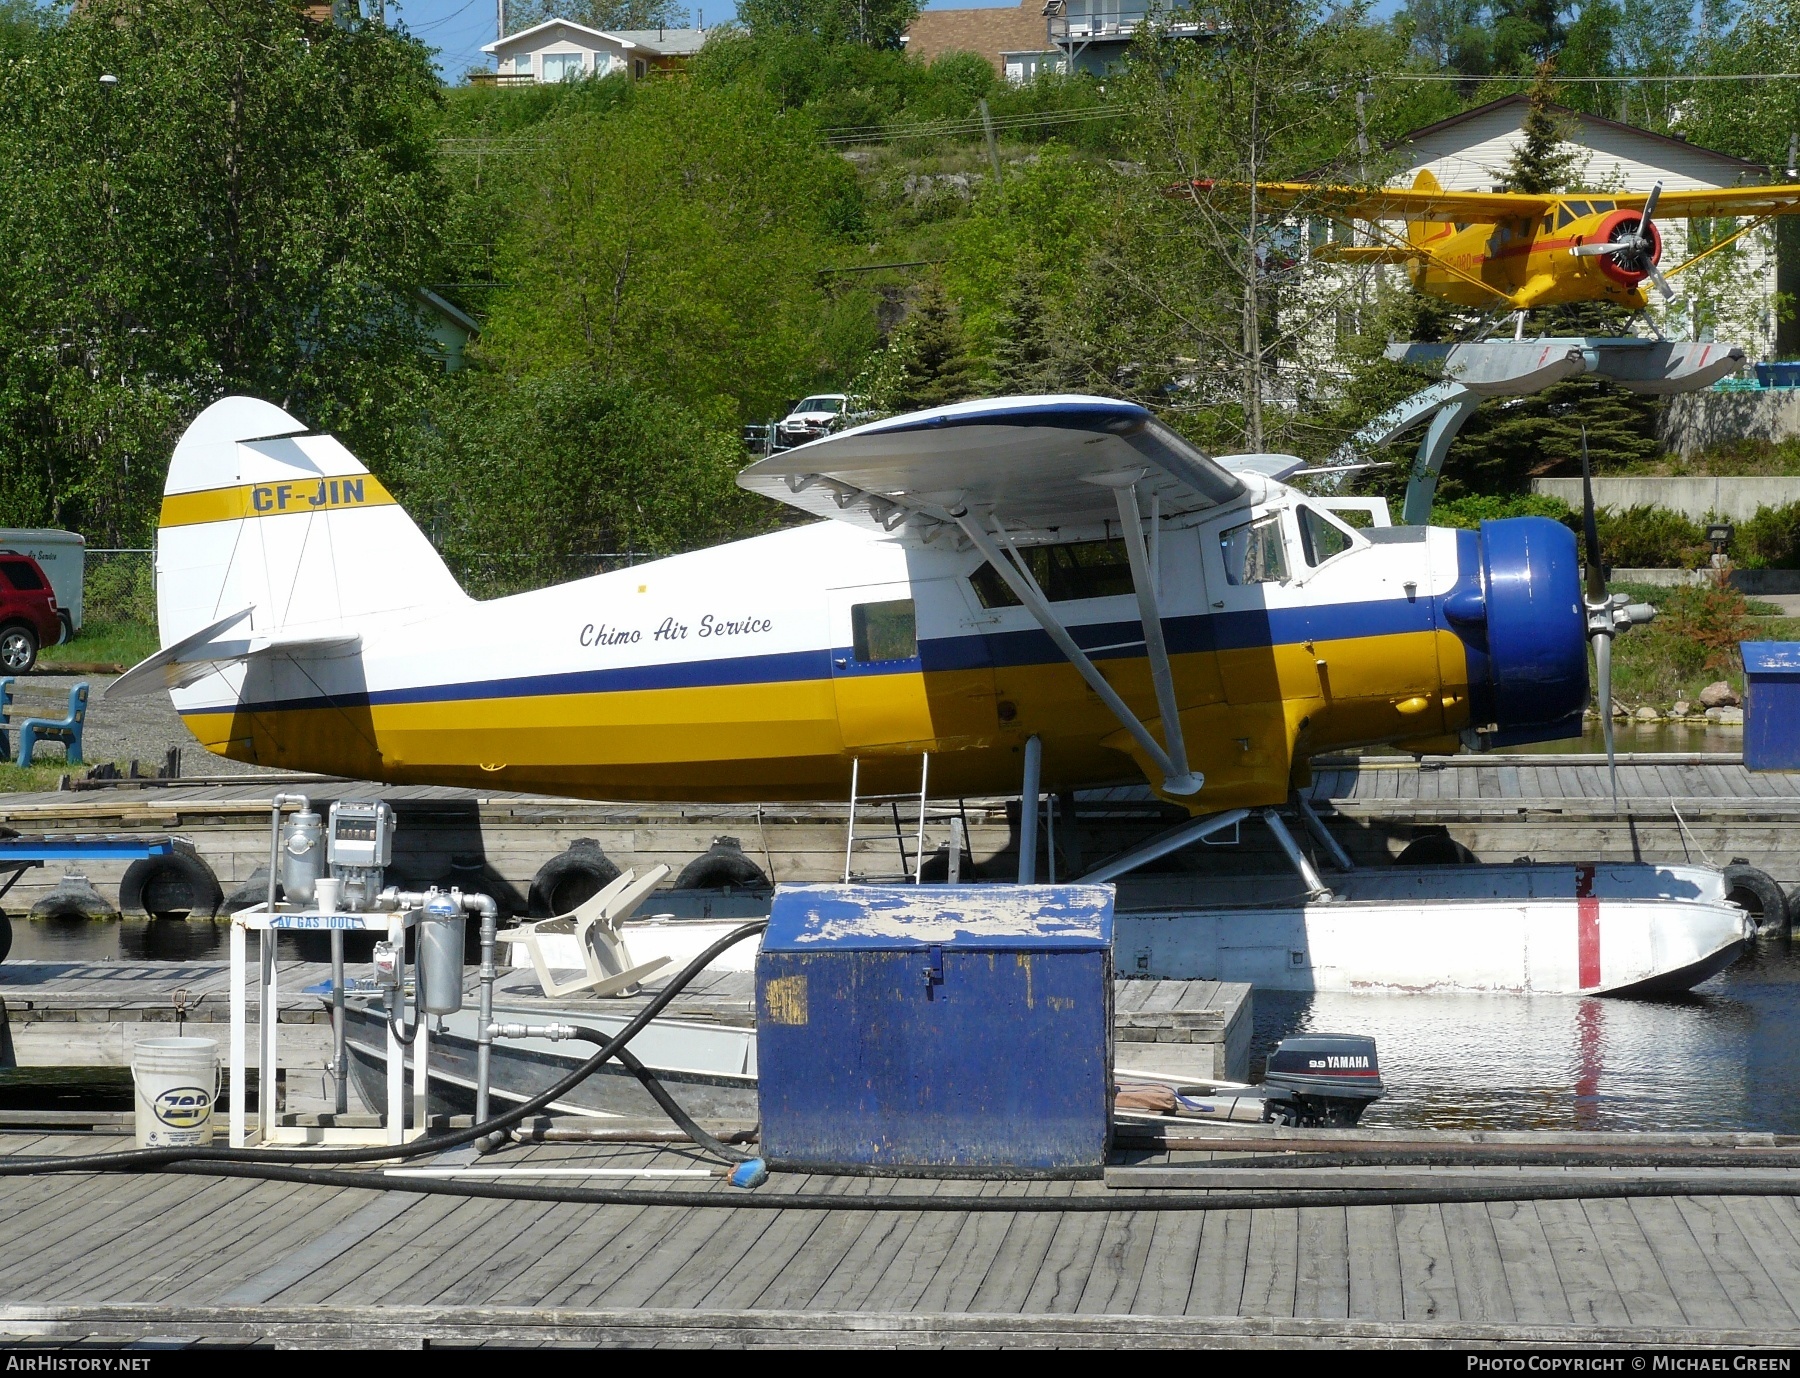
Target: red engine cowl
[1609,263]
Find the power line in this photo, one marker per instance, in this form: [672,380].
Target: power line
[1590,81]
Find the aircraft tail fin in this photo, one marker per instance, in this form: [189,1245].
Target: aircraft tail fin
[1417,231]
[260,516]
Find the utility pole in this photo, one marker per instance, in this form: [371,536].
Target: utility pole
[499,20]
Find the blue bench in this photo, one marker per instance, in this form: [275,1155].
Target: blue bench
[34,731]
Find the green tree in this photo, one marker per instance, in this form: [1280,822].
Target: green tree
[1527,33]
[870,23]
[247,206]
[674,244]
[524,481]
[939,369]
[1449,35]
[606,15]
[1543,160]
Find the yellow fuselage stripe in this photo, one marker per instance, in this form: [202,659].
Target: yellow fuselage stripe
[274,500]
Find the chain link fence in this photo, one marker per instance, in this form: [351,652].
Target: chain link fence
[119,588]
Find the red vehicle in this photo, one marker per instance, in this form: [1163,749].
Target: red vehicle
[28,614]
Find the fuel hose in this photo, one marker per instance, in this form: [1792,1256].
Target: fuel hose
[151,1159]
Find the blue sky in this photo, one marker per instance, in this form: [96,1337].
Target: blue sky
[458,28]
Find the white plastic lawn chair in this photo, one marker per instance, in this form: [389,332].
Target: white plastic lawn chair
[609,968]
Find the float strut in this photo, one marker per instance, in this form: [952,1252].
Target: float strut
[1316,889]
[1028,811]
[1316,826]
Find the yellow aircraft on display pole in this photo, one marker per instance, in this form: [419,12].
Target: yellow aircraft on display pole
[1515,250]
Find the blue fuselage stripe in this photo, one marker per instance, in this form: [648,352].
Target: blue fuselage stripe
[1221,631]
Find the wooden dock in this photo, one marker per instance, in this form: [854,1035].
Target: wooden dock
[193,1260]
[88,1014]
[1551,808]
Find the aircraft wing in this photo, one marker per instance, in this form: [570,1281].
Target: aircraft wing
[1385,203]
[1035,462]
[195,657]
[1781,200]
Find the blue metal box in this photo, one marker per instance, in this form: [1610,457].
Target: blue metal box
[937,1028]
[1771,705]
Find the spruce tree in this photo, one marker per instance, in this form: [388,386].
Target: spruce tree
[938,367]
[1025,354]
[1542,161]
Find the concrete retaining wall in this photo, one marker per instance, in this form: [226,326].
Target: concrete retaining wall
[1750,582]
[1694,421]
[1696,498]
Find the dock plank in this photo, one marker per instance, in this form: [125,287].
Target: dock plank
[1271,1266]
[1119,1263]
[1021,1254]
[1648,1297]
[1757,1264]
[1580,1262]
[1219,1271]
[1683,1258]
[1372,1250]
[1427,1284]
[1168,1276]
[1482,1293]
[1322,1286]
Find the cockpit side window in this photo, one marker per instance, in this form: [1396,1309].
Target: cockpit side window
[1254,552]
[1320,537]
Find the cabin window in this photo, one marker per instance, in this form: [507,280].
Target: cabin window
[1080,569]
[1580,208]
[884,631]
[1600,206]
[1254,553]
[1549,222]
[1563,215]
[1321,538]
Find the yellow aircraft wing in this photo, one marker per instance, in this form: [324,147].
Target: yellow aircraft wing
[1779,200]
[1388,203]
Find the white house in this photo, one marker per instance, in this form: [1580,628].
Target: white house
[562,50]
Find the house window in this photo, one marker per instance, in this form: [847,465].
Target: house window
[562,66]
[522,65]
[639,67]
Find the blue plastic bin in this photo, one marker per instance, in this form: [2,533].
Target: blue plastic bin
[1771,705]
[936,1028]
[1778,375]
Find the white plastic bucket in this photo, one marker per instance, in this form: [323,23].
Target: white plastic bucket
[177,1081]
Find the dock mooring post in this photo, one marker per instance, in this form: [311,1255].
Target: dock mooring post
[1028,811]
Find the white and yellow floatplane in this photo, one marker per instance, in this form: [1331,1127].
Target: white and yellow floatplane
[1054,591]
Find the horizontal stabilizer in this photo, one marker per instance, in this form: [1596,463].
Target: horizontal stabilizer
[207,651]
[1366,253]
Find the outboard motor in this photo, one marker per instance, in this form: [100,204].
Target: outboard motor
[1321,1081]
[1517,608]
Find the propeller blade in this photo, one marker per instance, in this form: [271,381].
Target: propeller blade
[1662,283]
[1617,246]
[1603,665]
[1590,528]
[1649,210]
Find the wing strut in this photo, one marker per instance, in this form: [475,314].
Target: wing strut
[1177,778]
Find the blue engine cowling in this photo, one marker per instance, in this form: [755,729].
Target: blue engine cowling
[1517,608]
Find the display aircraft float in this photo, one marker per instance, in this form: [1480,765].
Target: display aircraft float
[1054,591]
[1516,250]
